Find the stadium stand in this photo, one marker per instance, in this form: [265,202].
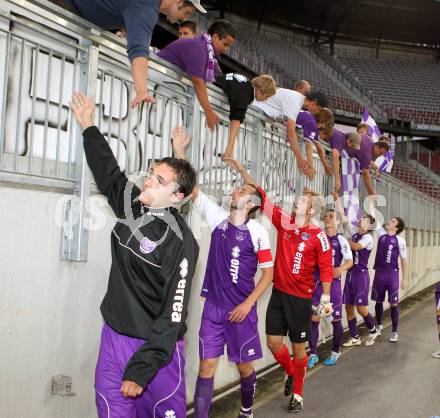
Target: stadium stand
[407,88]
[411,176]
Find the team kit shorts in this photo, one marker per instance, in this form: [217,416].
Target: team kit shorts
[384,282]
[356,288]
[289,315]
[241,339]
[164,396]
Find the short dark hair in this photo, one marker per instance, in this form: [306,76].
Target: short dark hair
[259,196]
[382,144]
[222,28]
[400,224]
[186,176]
[191,25]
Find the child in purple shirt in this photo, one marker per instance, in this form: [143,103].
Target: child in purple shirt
[198,57]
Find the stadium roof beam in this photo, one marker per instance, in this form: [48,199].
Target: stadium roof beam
[386,15]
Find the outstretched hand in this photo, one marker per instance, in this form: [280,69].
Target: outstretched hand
[84,109]
[142,97]
[181,140]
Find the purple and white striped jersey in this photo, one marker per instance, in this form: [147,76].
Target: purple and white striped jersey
[389,249]
[360,257]
[235,253]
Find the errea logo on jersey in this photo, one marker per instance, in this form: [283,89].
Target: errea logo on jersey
[170,414]
[176,315]
[324,241]
[235,263]
[297,262]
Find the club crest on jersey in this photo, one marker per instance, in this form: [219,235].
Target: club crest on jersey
[235,252]
[305,236]
[240,235]
[147,246]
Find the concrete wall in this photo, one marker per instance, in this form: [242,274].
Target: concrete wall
[49,309]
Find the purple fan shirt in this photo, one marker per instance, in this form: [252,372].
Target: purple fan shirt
[338,140]
[189,55]
[234,255]
[389,249]
[365,154]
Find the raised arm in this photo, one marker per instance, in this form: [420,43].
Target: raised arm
[111,182]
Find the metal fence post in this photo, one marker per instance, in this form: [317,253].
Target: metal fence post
[74,244]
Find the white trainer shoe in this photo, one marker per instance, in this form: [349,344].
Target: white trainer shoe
[372,339]
[436,355]
[352,342]
[379,329]
[394,337]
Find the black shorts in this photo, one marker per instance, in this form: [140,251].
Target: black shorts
[240,94]
[288,313]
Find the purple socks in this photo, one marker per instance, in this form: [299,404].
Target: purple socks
[353,328]
[338,333]
[314,338]
[379,313]
[203,396]
[248,385]
[395,317]
[368,319]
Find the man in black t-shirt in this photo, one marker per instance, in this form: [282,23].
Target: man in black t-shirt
[241,93]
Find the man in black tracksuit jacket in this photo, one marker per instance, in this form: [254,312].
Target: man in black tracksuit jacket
[140,368]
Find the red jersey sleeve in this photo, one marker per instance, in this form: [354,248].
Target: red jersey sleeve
[275,213]
[324,257]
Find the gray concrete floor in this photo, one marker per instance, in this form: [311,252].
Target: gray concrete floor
[389,380]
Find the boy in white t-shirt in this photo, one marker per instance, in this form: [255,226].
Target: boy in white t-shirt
[285,106]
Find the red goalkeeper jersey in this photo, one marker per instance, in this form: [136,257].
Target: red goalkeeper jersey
[300,250]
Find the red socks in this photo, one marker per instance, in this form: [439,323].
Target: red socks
[296,368]
[283,358]
[299,373]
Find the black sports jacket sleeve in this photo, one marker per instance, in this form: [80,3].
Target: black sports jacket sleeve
[111,182]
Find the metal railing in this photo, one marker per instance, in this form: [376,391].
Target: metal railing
[45,60]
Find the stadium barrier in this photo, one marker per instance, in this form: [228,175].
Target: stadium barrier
[52,214]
